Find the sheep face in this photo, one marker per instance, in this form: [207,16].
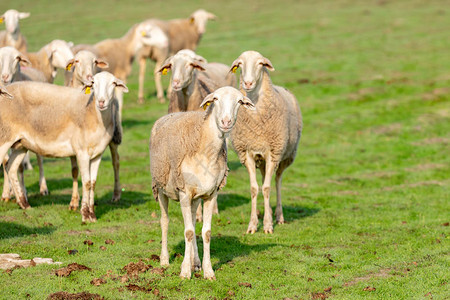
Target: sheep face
[59,53]
[104,85]
[225,103]
[11,18]
[251,64]
[10,58]
[151,35]
[182,67]
[84,65]
[200,17]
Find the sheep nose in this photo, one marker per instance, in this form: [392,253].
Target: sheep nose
[89,77]
[248,84]
[5,77]
[226,122]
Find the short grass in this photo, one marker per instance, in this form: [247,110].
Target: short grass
[366,201]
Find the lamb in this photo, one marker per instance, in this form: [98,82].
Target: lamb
[189,86]
[120,53]
[81,125]
[268,138]
[192,165]
[12,36]
[51,57]
[182,34]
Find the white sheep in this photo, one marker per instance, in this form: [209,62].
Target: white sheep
[120,53]
[192,165]
[12,35]
[268,137]
[80,125]
[182,34]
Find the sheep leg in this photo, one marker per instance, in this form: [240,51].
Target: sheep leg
[251,168]
[7,191]
[189,234]
[94,165]
[279,209]
[84,165]
[115,158]
[42,182]
[195,259]
[198,215]
[268,220]
[158,83]
[26,163]
[74,203]
[164,206]
[12,166]
[208,209]
[142,66]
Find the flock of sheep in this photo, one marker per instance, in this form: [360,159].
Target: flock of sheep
[188,147]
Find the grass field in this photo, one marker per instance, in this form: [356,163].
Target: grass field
[366,201]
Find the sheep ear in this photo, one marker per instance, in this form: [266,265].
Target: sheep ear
[2,19]
[70,44]
[23,60]
[166,67]
[207,101]
[200,59]
[212,16]
[70,64]
[197,66]
[5,93]
[234,66]
[87,85]
[191,20]
[121,85]
[266,63]
[101,63]
[24,15]
[247,103]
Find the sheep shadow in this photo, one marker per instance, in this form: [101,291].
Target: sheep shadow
[130,123]
[12,230]
[225,201]
[234,165]
[225,248]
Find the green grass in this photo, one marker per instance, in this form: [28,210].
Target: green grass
[365,200]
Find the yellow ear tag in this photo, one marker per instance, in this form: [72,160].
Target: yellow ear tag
[69,66]
[87,91]
[164,71]
[206,105]
[1,20]
[234,69]
[192,20]
[143,33]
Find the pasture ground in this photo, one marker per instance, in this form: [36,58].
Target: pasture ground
[366,201]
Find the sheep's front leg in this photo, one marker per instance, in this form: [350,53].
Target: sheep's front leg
[195,259]
[268,220]
[74,203]
[142,66]
[115,158]
[251,168]
[94,165]
[84,165]
[158,83]
[12,166]
[164,205]
[189,234]
[7,191]
[42,182]
[208,209]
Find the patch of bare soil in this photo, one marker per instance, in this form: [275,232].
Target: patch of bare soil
[98,281]
[64,272]
[75,296]
[133,269]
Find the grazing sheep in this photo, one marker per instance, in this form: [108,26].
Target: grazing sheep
[51,57]
[12,35]
[267,138]
[192,165]
[182,34]
[81,125]
[189,86]
[120,53]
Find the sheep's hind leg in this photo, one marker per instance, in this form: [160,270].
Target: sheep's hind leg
[278,178]
[189,233]
[251,168]
[75,202]
[115,158]
[268,219]
[12,166]
[196,264]
[142,66]
[7,189]
[43,189]
[208,209]
[164,205]
[94,165]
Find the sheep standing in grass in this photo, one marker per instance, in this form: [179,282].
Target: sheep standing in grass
[120,53]
[12,35]
[80,125]
[188,162]
[268,137]
[182,34]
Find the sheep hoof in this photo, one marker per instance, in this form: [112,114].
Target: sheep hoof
[199,219]
[162,99]
[210,277]
[73,207]
[116,197]
[251,231]
[44,192]
[270,231]
[280,222]
[6,199]
[185,275]
[141,100]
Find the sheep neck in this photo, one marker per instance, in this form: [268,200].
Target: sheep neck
[105,117]
[189,89]
[40,61]
[130,39]
[212,138]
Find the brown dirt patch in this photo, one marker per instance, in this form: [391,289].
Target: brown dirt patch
[382,273]
[432,141]
[76,296]
[64,272]
[98,281]
[133,269]
[158,271]
[245,284]
[424,167]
